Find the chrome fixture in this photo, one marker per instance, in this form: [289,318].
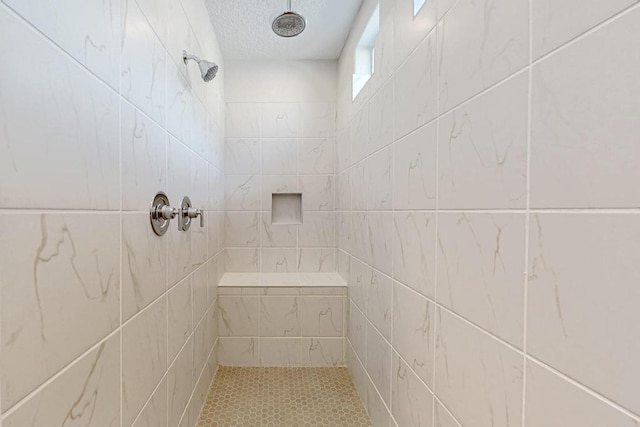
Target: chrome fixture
[161,213]
[289,24]
[208,70]
[187,213]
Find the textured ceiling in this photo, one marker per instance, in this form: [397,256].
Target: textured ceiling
[243,28]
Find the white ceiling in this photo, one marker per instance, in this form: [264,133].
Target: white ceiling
[243,28]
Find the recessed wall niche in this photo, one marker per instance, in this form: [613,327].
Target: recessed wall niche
[286,208]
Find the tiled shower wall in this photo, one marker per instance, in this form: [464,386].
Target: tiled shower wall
[487,214]
[102,322]
[280,137]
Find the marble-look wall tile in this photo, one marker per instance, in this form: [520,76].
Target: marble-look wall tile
[343,149]
[242,229]
[312,260]
[316,120]
[322,352]
[238,316]
[76,114]
[360,186]
[61,292]
[281,352]
[155,411]
[242,193]
[278,235]
[143,69]
[379,362]
[478,378]
[180,105]
[415,87]
[274,184]
[242,156]
[316,156]
[280,120]
[361,246]
[414,184]
[239,351]
[144,264]
[144,358]
[377,410]
[317,230]
[180,383]
[443,417]
[380,228]
[359,134]
[554,402]
[359,283]
[410,399]
[582,280]
[413,330]
[555,23]
[317,192]
[90,32]
[201,347]
[480,265]
[280,317]
[92,382]
[156,12]
[380,181]
[199,289]
[243,120]
[410,28]
[343,191]
[381,118]
[493,45]
[579,101]
[379,302]
[414,251]
[242,260]
[180,316]
[279,260]
[321,316]
[358,373]
[144,158]
[279,156]
[482,161]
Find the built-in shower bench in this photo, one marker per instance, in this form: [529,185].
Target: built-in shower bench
[282,319]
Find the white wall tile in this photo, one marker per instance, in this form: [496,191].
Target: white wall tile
[410,399]
[480,43]
[584,129]
[583,270]
[478,378]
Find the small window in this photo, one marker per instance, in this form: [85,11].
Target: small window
[417,5]
[365,56]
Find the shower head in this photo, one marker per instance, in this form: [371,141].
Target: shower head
[288,24]
[208,70]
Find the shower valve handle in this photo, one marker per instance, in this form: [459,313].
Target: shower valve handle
[194,213]
[187,213]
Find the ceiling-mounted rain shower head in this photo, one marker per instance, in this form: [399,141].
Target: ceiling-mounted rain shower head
[289,24]
[208,70]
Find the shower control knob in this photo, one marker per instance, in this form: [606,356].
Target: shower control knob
[187,213]
[161,213]
[194,213]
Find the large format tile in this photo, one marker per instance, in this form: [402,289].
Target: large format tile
[415,85]
[414,251]
[582,300]
[483,150]
[74,145]
[414,184]
[143,69]
[410,399]
[60,293]
[413,331]
[85,394]
[321,316]
[584,137]
[180,383]
[88,31]
[144,264]
[480,265]
[179,315]
[479,44]
[144,358]
[379,362]
[238,316]
[554,402]
[279,317]
[557,22]
[478,378]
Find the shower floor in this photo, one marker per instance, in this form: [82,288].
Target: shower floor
[282,397]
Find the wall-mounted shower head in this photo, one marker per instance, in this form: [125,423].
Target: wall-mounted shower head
[208,70]
[288,24]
